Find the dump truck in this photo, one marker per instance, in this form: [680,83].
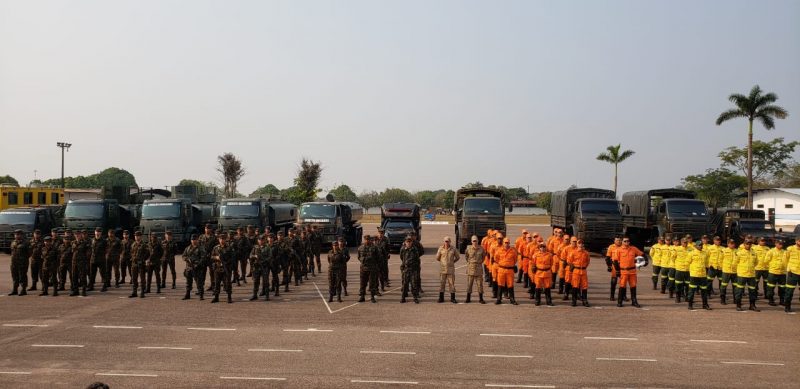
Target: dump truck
[476,210]
[333,219]
[275,215]
[646,215]
[184,213]
[588,213]
[26,219]
[399,220]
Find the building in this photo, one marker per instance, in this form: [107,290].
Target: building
[780,204]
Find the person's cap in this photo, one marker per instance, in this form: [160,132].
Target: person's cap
[167,232]
[261,237]
[779,241]
[209,226]
[271,235]
[367,237]
[762,239]
[222,236]
[505,240]
[98,229]
[409,238]
[194,236]
[446,239]
[37,231]
[474,238]
[698,243]
[250,227]
[573,239]
[152,233]
[137,233]
[47,238]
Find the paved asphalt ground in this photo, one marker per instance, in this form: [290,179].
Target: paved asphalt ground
[301,341]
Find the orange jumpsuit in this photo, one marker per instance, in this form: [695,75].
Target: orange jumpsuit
[487,261]
[627,265]
[566,260]
[505,259]
[493,248]
[540,270]
[611,253]
[580,260]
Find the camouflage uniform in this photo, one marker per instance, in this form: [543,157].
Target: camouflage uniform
[410,264]
[98,262]
[81,254]
[49,268]
[113,250]
[259,268]
[20,252]
[208,241]
[243,248]
[65,262]
[36,246]
[370,258]
[124,261]
[306,258]
[140,251]
[224,258]
[315,240]
[343,269]
[169,247]
[382,244]
[275,257]
[154,262]
[194,256]
[298,252]
[337,259]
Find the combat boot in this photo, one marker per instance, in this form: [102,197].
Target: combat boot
[83,292]
[567,291]
[33,287]
[215,299]
[585,297]
[634,301]
[723,299]
[494,290]
[655,283]
[561,286]
[772,302]
[519,277]
[201,295]
[55,292]
[330,298]
[678,295]
[453,298]
[613,288]
[663,287]
[511,296]
[44,292]
[14,292]
[339,297]
[287,287]
[500,291]
[704,296]
[548,297]
[538,297]
[480,298]
[23,291]
[372,299]
[158,289]
[187,296]
[230,300]
[575,297]
[73,293]
[620,297]
[361,298]
[441,297]
[133,293]
[788,306]
[753,307]
[468,299]
[691,303]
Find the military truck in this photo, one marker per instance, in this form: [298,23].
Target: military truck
[736,224]
[652,213]
[261,213]
[26,219]
[184,213]
[333,219]
[117,210]
[476,210]
[399,220]
[588,213]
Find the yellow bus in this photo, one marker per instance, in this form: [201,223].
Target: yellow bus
[17,196]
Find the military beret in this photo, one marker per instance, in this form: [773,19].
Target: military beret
[271,235]
[194,236]
[250,227]
[152,233]
[47,238]
[67,230]
[261,237]
[208,225]
[222,236]
[238,228]
[98,229]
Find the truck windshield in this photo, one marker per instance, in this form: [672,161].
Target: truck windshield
[161,211]
[11,218]
[239,210]
[756,225]
[477,206]
[396,225]
[687,208]
[600,207]
[317,211]
[84,211]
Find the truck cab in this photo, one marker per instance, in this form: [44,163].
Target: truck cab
[26,219]
[399,220]
[176,215]
[650,214]
[590,214]
[261,213]
[333,219]
[476,210]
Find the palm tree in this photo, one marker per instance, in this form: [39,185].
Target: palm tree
[755,106]
[232,171]
[613,155]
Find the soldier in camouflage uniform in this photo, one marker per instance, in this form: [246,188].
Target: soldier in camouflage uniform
[170,248]
[65,260]
[208,240]
[36,245]
[113,249]
[305,254]
[49,267]
[409,267]
[243,247]
[97,259]
[20,252]
[343,270]
[153,263]
[382,244]
[56,240]
[224,258]
[140,252]
[252,238]
[296,253]
[284,258]
[259,267]
[421,252]
[274,264]
[370,258]
[81,254]
[337,259]
[124,260]
[194,256]
[316,247]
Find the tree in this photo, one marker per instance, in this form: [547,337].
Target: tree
[717,187]
[755,106]
[266,191]
[8,180]
[105,179]
[232,171]
[425,198]
[395,195]
[615,157]
[369,199]
[307,179]
[344,193]
[516,194]
[544,200]
[769,158]
[293,194]
[471,185]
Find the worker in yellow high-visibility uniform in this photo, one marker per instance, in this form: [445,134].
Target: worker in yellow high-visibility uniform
[745,264]
[776,261]
[655,256]
[728,271]
[762,267]
[682,269]
[714,263]
[698,263]
[792,261]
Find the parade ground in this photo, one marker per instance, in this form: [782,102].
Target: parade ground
[301,340]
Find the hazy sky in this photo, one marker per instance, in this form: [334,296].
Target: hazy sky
[411,94]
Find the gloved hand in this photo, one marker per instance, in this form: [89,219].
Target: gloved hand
[571,267]
[616,266]
[608,263]
[516,269]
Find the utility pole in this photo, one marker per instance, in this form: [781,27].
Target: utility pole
[63,145]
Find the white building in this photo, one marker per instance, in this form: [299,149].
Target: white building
[784,203]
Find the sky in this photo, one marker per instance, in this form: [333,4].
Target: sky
[409,94]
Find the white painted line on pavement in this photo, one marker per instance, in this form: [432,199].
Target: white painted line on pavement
[120,327]
[308,330]
[502,356]
[16,372]
[606,338]
[345,307]
[717,341]
[211,329]
[406,332]
[509,335]
[323,298]
[125,375]
[254,378]
[517,386]
[753,363]
[627,359]
[389,352]
[384,382]
[25,325]
[58,345]
[273,350]
[162,348]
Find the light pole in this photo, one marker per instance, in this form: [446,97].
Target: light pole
[63,145]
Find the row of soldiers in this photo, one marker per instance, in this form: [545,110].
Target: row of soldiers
[683,266]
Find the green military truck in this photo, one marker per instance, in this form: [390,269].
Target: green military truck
[264,214]
[590,214]
[26,219]
[476,210]
[184,213]
[736,224]
[333,219]
[646,215]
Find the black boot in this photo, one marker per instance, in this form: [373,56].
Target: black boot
[14,292]
[33,287]
[469,298]
[690,300]
[753,306]
[575,297]
[585,297]
[403,299]
[500,291]
[787,299]
[704,296]
[672,293]
[548,297]
[201,295]
[723,299]
[663,287]
[453,298]
[230,300]
[511,296]
[634,301]
[494,290]
[738,304]
[339,296]
[188,295]
[441,297]
[361,298]
[613,288]
[620,297]
[678,296]
[372,299]
[330,298]
[561,286]
[655,283]
[567,292]
[83,291]
[55,292]
[538,297]
[255,297]
[519,277]
[480,298]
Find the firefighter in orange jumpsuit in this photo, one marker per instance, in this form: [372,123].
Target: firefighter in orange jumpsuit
[528,249]
[579,263]
[560,261]
[519,245]
[626,257]
[487,262]
[540,271]
[506,261]
[566,261]
[493,247]
[553,241]
[613,265]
